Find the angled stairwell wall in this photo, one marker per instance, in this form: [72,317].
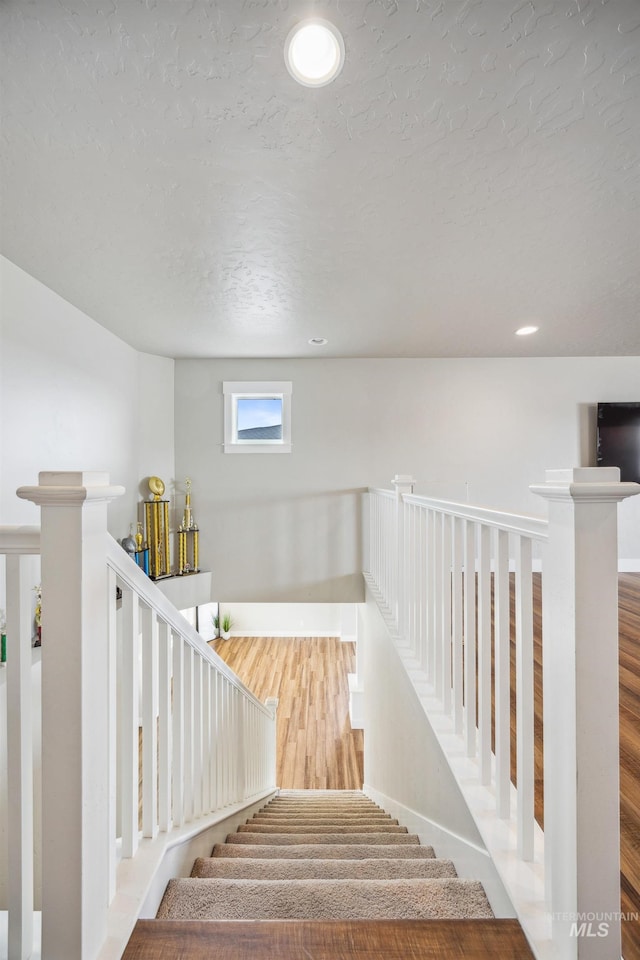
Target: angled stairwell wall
[404,768]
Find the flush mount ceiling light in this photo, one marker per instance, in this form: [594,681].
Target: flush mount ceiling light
[314,52]
[526,331]
[318,341]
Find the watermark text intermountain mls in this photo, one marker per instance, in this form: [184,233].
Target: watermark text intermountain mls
[593,924]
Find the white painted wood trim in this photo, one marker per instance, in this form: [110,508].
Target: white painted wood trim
[130,574]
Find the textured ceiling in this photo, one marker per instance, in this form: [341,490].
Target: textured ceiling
[476,166]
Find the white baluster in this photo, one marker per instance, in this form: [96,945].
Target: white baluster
[197,735]
[206,737]
[217,757]
[272,705]
[502,676]
[446,611]
[470,637]
[149,723]
[225,725]
[19,758]
[524,698]
[422,585]
[112,703]
[188,732]
[213,747]
[164,726]
[437,597]
[177,782]
[129,726]
[484,652]
[457,622]
[431,595]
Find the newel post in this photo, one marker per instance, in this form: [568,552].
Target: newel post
[404,484]
[581,759]
[75,711]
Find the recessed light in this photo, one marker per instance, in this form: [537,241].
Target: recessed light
[314,52]
[318,341]
[526,331]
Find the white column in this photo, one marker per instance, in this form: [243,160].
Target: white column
[580,598]
[75,711]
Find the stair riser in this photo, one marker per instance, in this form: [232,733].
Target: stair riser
[340,851]
[335,838]
[245,868]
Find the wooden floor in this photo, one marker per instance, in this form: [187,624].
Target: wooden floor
[629,636]
[316,747]
[328,940]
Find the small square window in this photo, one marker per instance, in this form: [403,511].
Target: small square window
[257,417]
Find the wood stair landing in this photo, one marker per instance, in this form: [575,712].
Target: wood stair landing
[328,940]
[349,891]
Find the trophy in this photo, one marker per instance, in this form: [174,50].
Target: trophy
[188,535]
[156,515]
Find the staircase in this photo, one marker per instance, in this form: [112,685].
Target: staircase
[311,866]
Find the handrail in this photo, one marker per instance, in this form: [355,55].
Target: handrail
[131,574]
[382,492]
[19,540]
[537,528]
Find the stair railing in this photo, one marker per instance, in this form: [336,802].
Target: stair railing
[444,576]
[129,690]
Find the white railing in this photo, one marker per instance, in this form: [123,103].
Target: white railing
[444,576]
[145,730]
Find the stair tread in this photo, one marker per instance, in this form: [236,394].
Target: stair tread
[270,869]
[347,818]
[328,940]
[253,827]
[315,837]
[415,899]
[356,851]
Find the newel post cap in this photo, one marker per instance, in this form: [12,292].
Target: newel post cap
[271,703]
[403,482]
[69,487]
[585,484]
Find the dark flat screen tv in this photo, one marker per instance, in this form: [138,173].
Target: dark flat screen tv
[618,440]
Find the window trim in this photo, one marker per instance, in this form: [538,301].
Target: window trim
[259,389]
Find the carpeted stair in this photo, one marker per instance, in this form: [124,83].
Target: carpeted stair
[323,855]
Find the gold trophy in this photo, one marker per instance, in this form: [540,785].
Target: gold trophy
[156,515]
[188,534]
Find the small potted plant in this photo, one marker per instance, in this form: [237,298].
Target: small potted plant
[216,625]
[225,626]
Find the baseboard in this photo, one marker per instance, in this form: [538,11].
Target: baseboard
[628,566]
[303,635]
[471,861]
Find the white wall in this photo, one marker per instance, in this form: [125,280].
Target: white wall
[284,619]
[279,527]
[402,758]
[73,396]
